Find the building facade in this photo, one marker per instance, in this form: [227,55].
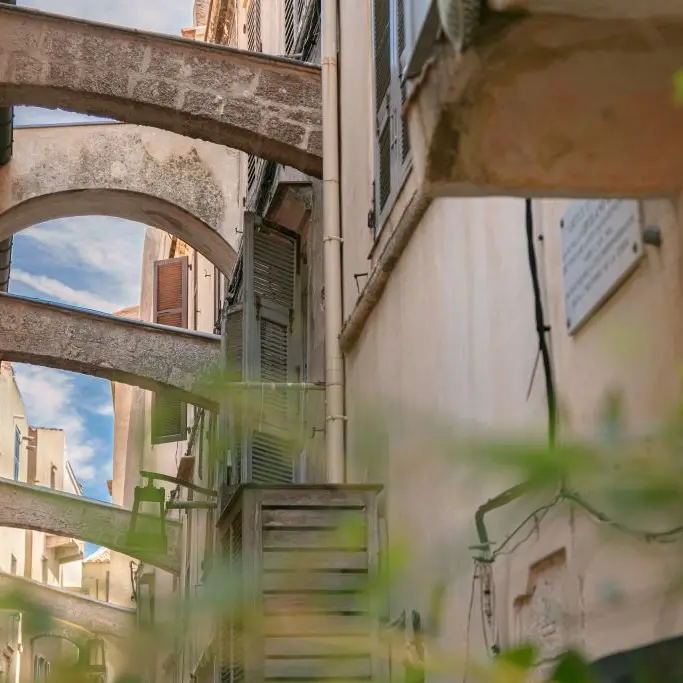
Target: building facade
[448,304]
[33,456]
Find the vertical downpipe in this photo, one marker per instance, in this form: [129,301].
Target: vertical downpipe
[334,362]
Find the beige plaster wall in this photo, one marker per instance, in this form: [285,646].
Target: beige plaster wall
[453,339]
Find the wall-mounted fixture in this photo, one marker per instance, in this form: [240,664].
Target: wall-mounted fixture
[652,235]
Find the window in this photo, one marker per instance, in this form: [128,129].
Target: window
[13,565]
[17,452]
[169,414]
[53,476]
[392,146]
[254,45]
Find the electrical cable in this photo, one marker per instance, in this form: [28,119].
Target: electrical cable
[541,327]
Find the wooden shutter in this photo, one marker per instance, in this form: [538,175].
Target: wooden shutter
[261,344]
[381,35]
[392,146]
[170,292]
[271,257]
[169,414]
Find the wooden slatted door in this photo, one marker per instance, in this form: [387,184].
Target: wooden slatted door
[309,556]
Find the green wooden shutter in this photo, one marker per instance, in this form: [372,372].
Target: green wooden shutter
[271,288]
[169,414]
[392,145]
[260,343]
[381,35]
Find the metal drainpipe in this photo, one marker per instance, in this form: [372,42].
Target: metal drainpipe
[6,134]
[334,361]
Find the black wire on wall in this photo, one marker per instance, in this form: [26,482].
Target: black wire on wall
[541,328]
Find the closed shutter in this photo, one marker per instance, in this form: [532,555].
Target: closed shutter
[261,344]
[381,23]
[169,414]
[271,257]
[392,145]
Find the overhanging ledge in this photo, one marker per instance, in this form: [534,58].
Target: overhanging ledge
[552,106]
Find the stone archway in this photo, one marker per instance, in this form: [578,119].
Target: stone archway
[182,186]
[150,356]
[267,106]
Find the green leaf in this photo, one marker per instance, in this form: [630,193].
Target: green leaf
[572,668]
[678,87]
[522,657]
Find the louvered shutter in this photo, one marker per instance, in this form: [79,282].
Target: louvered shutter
[169,415]
[402,138]
[231,412]
[254,45]
[392,145]
[381,35]
[271,288]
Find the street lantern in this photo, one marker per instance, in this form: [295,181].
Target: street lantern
[148,521]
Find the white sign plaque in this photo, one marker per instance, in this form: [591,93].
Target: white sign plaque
[601,244]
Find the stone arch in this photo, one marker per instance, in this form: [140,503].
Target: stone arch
[146,175]
[267,106]
[153,357]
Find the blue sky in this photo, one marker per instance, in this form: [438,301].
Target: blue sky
[91,261]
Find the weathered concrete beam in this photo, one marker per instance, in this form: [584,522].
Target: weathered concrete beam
[23,506]
[552,106]
[151,176]
[155,357]
[262,105]
[598,9]
[96,616]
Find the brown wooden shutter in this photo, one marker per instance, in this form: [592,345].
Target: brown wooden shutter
[169,415]
[170,291]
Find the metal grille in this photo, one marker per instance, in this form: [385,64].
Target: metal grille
[382,51]
[274,268]
[271,460]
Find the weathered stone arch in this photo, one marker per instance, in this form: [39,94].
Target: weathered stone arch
[63,514]
[150,356]
[93,615]
[259,104]
[152,176]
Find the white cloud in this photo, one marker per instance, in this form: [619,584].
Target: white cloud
[106,247]
[106,409]
[54,289]
[52,399]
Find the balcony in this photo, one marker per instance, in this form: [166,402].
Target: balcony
[571,98]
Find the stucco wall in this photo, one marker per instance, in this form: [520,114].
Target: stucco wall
[453,340]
